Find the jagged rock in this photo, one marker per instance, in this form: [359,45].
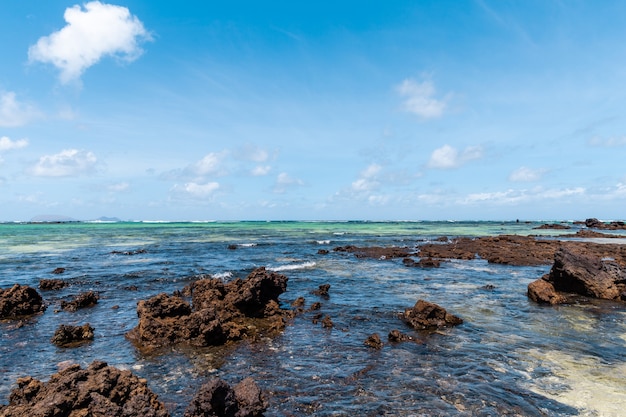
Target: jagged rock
[554,226]
[70,336]
[579,273]
[375,252]
[217,399]
[218,312]
[51,284]
[396,336]
[327,322]
[374,341]
[99,390]
[20,300]
[323,290]
[426,315]
[84,300]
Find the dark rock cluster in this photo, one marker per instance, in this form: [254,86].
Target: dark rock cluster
[70,336]
[20,300]
[218,312]
[426,315]
[83,300]
[217,398]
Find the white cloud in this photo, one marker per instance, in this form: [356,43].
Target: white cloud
[261,170]
[251,153]
[525,174]
[119,187]
[90,34]
[210,164]
[419,99]
[197,190]
[12,112]
[607,142]
[367,180]
[448,157]
[7,144]
[69,162]
[284,181]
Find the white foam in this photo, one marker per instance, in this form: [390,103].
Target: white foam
[292,267]
[223,275]
[323,242]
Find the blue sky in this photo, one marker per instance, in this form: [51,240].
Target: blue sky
[405,110]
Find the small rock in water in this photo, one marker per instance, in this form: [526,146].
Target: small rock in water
[71,336]
[374,341]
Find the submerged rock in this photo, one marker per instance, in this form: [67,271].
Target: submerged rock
[322,290]
[218,399]
[576,272]
[422,263]
[425,315]
[99,390]
[374,341]
[20,300]
[71,336]
[86,299]
[375,251]
[218,312]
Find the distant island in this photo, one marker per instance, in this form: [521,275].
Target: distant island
[56,218]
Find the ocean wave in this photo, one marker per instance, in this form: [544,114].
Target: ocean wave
[246,245]
[293,267]
[222,275]
[323,242]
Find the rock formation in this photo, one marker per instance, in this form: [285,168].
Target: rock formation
[217,399]
[18,301]
[425,315]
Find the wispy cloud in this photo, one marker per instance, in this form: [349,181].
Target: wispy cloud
[525,174]
[91,33]
[285,181]
[448,157]
[197,190]
[67,163]
[419,99]
[368,179]
[14,113]
[611,142]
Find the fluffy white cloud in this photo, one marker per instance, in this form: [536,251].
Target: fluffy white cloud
[419,99]
[197,190]
[367,180]
[12,112]
[7,144]
[524,174]
[210,164]
[448,157]
[69,162]
[98,30]
[261,170]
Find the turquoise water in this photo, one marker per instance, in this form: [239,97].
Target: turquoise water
[510,357]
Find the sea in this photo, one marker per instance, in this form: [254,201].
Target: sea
[510,357]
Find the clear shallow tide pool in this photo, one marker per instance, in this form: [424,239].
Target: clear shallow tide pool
[510,357]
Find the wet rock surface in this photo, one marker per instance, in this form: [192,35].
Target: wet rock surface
[373,341]
[72,336]
[594,223]
[19,301]
[52,284]
[99,390]
[83,300]
[217,398]
[376,252]
[426,315]
[422,263]
[577,272]
[219,312]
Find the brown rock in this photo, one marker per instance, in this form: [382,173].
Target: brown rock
[51,284]
[397,336]
[543,292]
[71,336]
[327,322]
[422,263]
[375,252]
[86,299]
[323,290]
[18,301]
[217,399]
[99,390]
[374,341]
[219,312]
[58,270]
[426,315]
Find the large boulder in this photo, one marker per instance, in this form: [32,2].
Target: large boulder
[218,399]
[218,312]
[20,300]
[576,272]
[425,315]
[99,390]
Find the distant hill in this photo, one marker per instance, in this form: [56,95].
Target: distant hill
[107,219]
[52,218]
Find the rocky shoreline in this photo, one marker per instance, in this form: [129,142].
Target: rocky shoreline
[211,312]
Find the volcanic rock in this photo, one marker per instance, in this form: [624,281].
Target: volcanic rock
[555,226]
[397,336]
[52,284]
[218,312]
[86,299]
[71,336]
[217,399]
[99,390]
[375,251]
[576,272]
[323,290]
[426,315]
[20,300]
[58,270]
[422,263]
[374,341]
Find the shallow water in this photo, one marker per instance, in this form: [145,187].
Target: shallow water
[510,357]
